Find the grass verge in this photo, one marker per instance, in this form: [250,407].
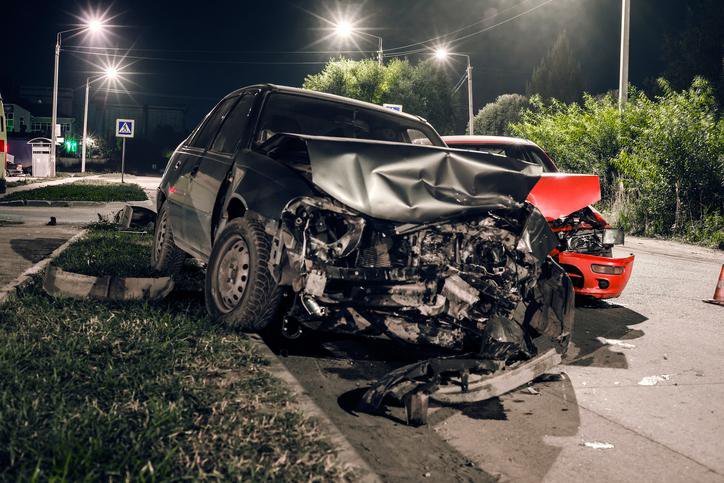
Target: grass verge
[82,191]
[27,181]
[107,391]
[104,251]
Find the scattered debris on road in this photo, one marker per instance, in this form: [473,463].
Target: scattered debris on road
[615,342]
[597,445]
[654,380]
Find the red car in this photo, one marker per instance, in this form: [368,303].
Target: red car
[586,239]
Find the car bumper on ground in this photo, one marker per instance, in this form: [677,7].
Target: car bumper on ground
[596,276]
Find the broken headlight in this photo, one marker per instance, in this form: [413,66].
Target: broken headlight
[326,230]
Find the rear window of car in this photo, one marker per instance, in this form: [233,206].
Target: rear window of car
[290,113]
[504,149]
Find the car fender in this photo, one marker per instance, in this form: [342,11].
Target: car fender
[264,185]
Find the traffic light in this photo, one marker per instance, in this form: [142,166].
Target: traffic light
[71,146]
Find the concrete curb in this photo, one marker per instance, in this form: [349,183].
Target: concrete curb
[24,278]
[59,283]
[47,203]
[346,454]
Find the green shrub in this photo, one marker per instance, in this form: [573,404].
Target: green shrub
[494,118]
[661,161]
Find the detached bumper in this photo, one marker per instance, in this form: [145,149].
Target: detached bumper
[586,281]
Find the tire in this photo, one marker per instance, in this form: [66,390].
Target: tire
[165,256]
[239,290]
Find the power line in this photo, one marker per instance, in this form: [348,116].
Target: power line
[204,61]
[432,39]
[242,52]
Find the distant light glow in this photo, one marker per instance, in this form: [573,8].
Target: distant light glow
[344,29]
[111,72]
[95,25]
[441,53]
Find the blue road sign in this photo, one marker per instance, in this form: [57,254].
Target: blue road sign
[125,128]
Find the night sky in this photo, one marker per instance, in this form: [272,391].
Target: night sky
[190,53]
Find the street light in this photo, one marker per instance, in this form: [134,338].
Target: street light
[93,25]
[111,74]
[442,54]
[345,29]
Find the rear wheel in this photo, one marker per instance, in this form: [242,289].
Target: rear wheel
[165,257]
[239,289]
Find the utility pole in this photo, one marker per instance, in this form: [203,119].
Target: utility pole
[85,126]
[623,69]
[380,59]
[54,116]
[470,97]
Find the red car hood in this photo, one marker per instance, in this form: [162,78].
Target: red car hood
[560,194]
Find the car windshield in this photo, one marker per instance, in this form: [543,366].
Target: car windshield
[289,113]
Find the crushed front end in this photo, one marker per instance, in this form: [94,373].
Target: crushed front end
[479,287]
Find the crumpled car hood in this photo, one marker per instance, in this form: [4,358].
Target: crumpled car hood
[416,184]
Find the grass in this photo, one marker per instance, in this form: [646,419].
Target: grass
[106,391]
[27,181]
[82,191]
[109,252]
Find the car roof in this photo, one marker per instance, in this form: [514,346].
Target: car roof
[331,97]
[487,140]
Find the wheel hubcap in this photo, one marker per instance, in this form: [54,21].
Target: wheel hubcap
[233,274]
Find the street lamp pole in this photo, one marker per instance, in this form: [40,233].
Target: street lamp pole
[623,68]
[85,126]
[442,54]
[93,25]
[54,116]
[471,115]
[111,74]
[380,59]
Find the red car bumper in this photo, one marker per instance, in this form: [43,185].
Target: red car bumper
[598,285]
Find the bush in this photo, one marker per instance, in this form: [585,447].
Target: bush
[661,162]
[495,117]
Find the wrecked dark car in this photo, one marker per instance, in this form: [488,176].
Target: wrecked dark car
[372,227]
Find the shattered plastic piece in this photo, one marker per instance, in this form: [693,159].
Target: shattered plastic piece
[460,295]
[598,445]
[654,380]
[615,342]
[532,390]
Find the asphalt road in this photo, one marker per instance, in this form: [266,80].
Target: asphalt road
[671,430]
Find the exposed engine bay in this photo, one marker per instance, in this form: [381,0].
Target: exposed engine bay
[482,289]
[585,231]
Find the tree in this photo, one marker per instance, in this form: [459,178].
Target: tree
[697,49]
[422,89]
[558,75]
[495,117]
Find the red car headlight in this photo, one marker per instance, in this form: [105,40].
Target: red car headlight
[606,269]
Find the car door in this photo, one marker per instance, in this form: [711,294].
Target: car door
[215,166]
[184,216]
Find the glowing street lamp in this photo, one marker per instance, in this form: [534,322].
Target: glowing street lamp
[93,25]
[442,54]
[344,29]
[110,74]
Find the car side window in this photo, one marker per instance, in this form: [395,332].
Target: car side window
[208,130]
[234,126]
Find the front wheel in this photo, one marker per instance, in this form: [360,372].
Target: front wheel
[239,289]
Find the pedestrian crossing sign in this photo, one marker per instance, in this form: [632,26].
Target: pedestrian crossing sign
[125,128]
